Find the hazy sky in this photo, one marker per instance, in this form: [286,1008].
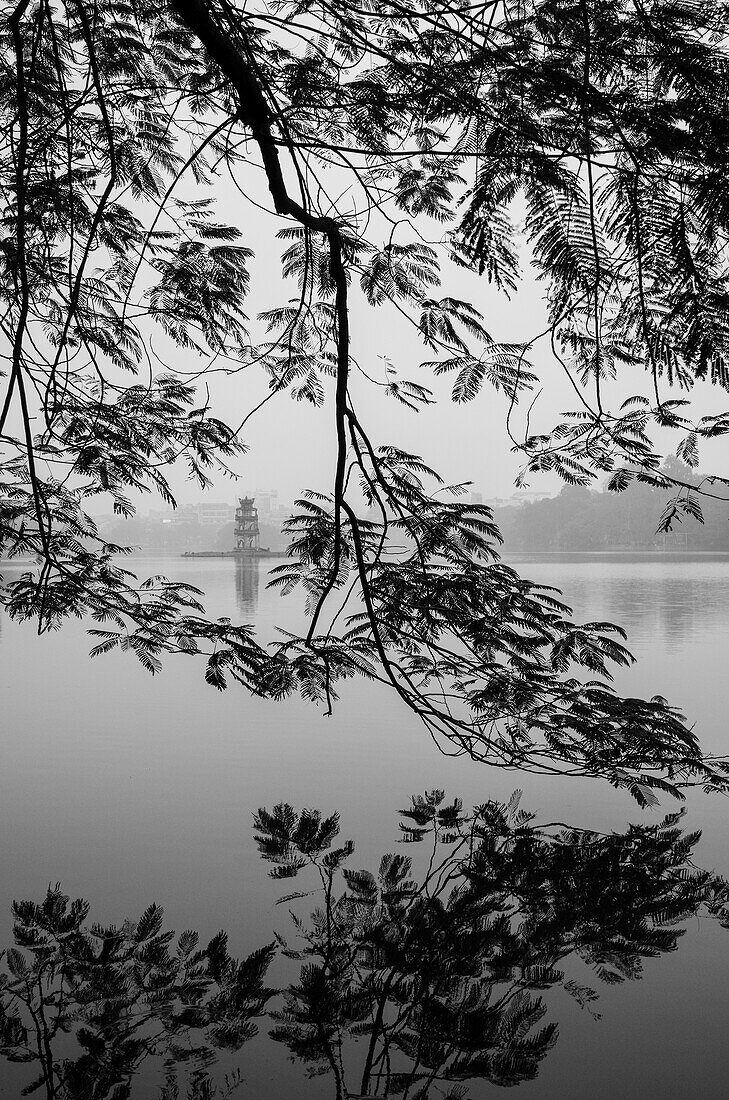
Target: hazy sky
[291,443]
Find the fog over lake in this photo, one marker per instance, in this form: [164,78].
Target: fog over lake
[129,789]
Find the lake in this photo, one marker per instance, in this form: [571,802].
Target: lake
[129,789]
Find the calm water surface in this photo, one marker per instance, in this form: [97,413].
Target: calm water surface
[128,789]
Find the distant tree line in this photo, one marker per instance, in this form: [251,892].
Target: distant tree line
[583,519]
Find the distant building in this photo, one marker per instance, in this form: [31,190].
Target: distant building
[527,496]
[266,501]
[206,515]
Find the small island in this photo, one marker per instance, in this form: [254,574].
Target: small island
[246,536]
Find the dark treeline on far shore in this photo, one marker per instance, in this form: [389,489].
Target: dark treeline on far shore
[581,519]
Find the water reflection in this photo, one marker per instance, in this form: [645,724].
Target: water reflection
[246,586]
[428,974]
[670,607]
[661,599]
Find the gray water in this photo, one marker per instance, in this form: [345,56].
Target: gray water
[130,789]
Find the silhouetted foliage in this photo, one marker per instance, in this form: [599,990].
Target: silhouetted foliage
[413,981]
[598,126]
[128,995]
[416,980]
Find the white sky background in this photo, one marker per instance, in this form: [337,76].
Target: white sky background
[292,444]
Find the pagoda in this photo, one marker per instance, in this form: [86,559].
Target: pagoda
[246,527]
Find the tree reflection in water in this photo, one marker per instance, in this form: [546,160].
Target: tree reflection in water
[412,982]
[126,995]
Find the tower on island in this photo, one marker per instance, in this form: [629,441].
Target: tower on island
[246,525]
